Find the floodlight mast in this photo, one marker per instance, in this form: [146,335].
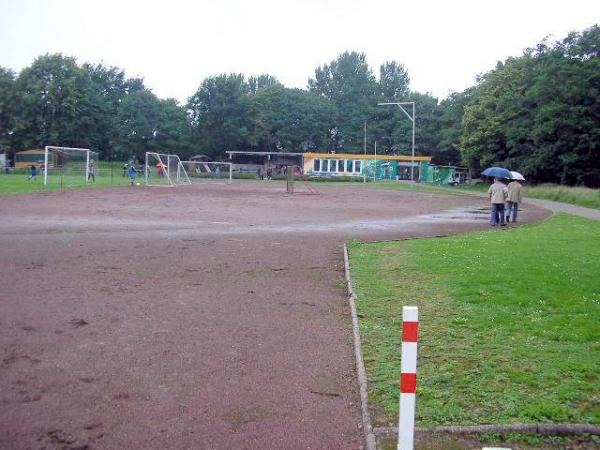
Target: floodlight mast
[412,119]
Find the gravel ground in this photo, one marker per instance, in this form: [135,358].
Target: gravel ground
[203,316]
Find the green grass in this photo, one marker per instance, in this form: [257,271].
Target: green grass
[580,196]
[18,183]
[510,323]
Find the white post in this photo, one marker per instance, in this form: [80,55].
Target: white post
[408,377]
[146,168]
[45,165]
[87,166]
[230,172]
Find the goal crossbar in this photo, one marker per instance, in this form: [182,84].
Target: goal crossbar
[53,148]
[169,168]
[210,169]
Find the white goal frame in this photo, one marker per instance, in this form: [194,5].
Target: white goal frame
[50,148]
[208,163]
[181,174]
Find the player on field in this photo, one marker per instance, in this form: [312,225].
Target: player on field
[132,174]
[33,175]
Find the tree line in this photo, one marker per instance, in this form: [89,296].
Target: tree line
[538,113]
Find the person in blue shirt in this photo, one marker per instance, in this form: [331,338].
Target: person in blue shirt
[132,174]
[33,175]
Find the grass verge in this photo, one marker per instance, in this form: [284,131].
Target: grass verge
[510,323]
[580,196]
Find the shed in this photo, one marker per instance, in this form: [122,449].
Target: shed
[26,158]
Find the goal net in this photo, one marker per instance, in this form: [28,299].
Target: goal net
[294,173]
[164,170]
[209,171]
[69,166]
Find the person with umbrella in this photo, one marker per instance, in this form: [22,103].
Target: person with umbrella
[498,194]
[515,196]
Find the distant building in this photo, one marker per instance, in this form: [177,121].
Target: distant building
[380,167]
[26,158]
[430,173]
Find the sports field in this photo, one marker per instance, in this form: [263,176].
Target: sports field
[202,316]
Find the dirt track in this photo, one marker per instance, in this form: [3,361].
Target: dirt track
[207,316]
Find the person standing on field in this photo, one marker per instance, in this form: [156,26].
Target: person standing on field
[33,175]
[515,197]
[92,171]
[132,174]
[498,194]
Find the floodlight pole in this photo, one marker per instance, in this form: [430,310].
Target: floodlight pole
[375,164]
[413,120]
[365,145]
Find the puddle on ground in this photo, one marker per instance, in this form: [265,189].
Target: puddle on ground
[168,229]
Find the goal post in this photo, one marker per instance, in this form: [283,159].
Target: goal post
[73,165]
[215,171]
[162,169]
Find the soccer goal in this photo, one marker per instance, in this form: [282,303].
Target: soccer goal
[69,166]
[209,171]
[164,170]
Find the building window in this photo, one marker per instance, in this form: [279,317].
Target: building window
[317,165]
[349,165]
[357,165]
[332,165]
[340,165]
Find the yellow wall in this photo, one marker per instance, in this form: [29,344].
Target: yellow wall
[368,156]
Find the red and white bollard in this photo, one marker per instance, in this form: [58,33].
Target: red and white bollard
[408,377]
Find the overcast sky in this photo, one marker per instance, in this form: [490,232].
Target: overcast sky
[175,44]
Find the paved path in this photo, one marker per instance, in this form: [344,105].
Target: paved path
[566,208]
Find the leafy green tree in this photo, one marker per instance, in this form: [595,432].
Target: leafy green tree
[52,98]
[292,120]
[173,134]
[538,113]
[220,115]
[393,82]
[449,115]
[349,83]
[257,83]
[7,107]
[137,125]
[387,124]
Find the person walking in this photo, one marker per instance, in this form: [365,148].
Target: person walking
[125,167]
[515,197]
[498,194]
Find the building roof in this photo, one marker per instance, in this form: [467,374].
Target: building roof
[263,153]
[31,152]
[336,156]
[367,156]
